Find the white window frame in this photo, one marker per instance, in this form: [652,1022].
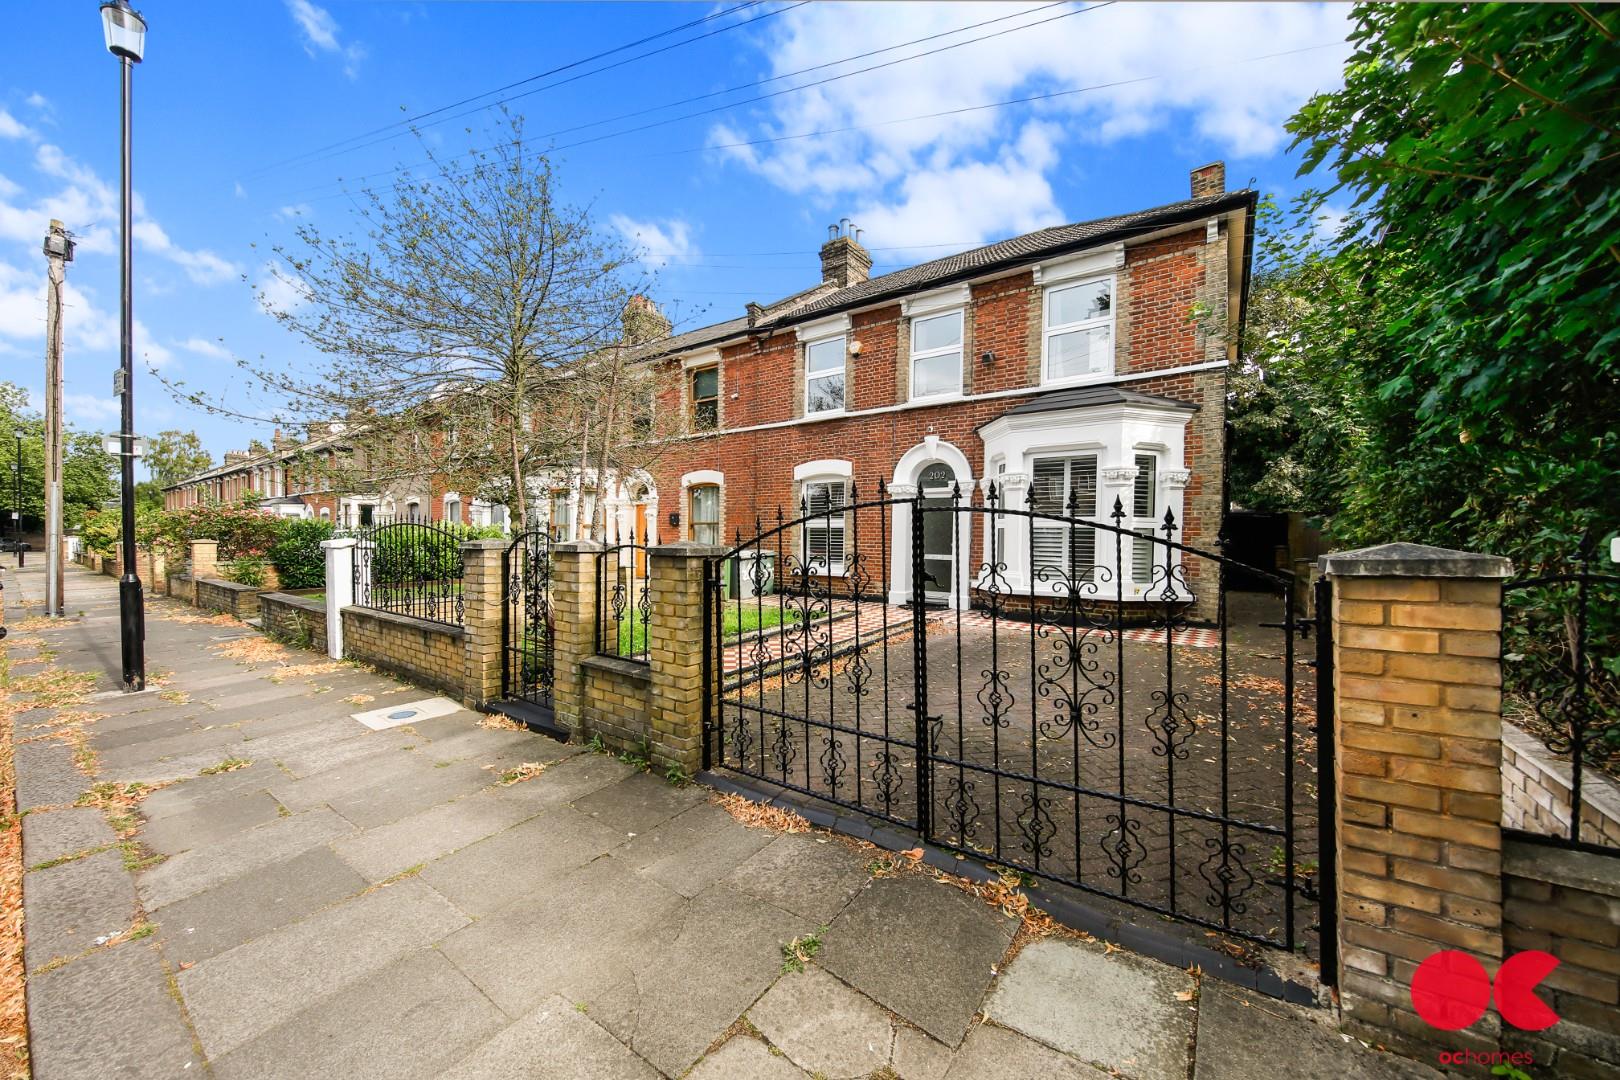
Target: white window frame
[1048,331]
[1062,510]
[1146,523]
[719,511]
[829,523]
[842,372]
[451,499]
[929,354]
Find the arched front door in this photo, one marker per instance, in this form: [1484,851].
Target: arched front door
[935,487]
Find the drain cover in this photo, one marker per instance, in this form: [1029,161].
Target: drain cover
[402,714]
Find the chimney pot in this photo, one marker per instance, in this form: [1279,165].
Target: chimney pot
[844,262]
[1209,180]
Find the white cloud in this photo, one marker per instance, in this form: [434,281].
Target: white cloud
[201,266]
[294,211]
[898,173]
[204,347]
[240,191]
[89,411]
[87,328]
[12,128]
[39,101]
[277,292]
[321,34]
[657,244]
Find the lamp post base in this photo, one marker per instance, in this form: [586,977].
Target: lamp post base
[132,631]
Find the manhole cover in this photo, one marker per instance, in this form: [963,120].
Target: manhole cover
[402,714]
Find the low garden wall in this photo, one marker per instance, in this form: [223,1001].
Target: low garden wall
[239,601]
[180,587]
[1567,903]
[427,653]
[1536,792]
[293,618]
[613,701]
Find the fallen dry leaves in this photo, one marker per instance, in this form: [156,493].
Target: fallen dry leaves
[359,699]
[252,650]
[759,816]
[526,771]
[178,615]
[493,721]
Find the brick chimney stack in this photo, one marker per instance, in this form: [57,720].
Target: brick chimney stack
[1209,179]
[843,261]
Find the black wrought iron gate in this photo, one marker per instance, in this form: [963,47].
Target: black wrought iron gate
[527,631]
[1089,705]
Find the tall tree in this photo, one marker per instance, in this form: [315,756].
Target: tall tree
[1480,147]
[89,474]
[469,331]
[172,455]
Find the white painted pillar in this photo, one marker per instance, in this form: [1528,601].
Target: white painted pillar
[339,589]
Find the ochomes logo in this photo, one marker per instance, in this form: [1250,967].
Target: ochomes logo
[1450,990]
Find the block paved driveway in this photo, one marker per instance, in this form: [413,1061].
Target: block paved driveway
[374,903]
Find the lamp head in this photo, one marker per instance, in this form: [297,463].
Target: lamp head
[124,28]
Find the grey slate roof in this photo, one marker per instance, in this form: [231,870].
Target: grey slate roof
[1082,397]
[1056,240]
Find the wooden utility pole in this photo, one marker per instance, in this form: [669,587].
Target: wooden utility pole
[58,253]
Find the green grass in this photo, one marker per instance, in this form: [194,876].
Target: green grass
[736,617]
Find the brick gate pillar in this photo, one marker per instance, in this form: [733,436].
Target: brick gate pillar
[204,563]
[675,653]
[573,609]
[1418,756]
[481,595]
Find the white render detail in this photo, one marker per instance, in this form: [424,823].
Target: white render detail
[1115,435]
[908,474]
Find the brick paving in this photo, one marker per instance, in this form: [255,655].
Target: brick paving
[348,902]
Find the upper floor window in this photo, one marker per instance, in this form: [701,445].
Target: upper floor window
[936,355]
[705,398]
[824,376]
[705,514]
[1064,487]
[1079,339]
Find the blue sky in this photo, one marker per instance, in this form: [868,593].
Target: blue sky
[237,100]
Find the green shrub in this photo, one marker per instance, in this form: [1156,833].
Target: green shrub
[246,570]
[100,532]
[297,555]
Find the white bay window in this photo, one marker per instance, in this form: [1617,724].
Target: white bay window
[1064,487]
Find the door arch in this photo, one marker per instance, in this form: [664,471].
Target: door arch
[934,470]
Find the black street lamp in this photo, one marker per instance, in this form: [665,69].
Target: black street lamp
[126,39]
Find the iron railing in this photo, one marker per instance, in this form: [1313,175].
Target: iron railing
[411,568]
[1561,683]
[623,600]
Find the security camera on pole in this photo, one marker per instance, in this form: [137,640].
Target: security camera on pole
[125,31]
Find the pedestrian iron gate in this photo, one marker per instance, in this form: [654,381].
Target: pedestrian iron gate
[1114,721]
[527,630]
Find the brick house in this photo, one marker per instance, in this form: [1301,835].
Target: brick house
[292,478]
[1085,361]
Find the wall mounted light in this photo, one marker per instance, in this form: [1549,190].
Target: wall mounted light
[987,357]
[675,517]
[855,347]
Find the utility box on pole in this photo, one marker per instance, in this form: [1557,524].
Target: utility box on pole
[58,253]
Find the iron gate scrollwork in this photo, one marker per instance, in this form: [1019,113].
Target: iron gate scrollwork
[527,626]
[1086,703]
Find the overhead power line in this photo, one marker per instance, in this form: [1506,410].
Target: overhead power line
[399,126]
[764,97]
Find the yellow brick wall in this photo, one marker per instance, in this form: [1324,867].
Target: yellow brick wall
[429,654]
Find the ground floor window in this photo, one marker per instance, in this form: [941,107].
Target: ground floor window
[824,503]
[1064,487]
[1144,510]
[704,514]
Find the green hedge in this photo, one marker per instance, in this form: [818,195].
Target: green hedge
[297,555]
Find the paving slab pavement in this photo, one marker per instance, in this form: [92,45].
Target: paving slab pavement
[70,906]
[399,917]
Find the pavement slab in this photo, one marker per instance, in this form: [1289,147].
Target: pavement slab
[823,1026]
[695,975]
[805,874]
[1115,1009]
[579,937]
[250,906]
[202,868]
[917,1057]
[993,1053]
[305,762]
[46,775]
[1239,1035]
[405,793]
[922,948]
[52,834]
[246,991]
[67,907]
[215,789]
[137,1030]
[579,774]
[209,823]
[639,803]
[556,1039]
[524,861]
[411,1019]
[419,838]
[316,789]
[692,850]
[745,1058]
